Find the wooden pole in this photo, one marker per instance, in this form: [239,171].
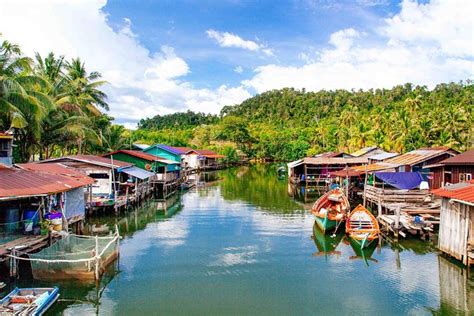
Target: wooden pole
[397,221]
[365,187]
[97,259]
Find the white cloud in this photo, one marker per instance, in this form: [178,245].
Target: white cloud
[226,39]
[423,44]
[142,83]
[239,69]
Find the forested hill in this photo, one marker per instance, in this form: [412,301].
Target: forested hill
[288,124]
[180,119]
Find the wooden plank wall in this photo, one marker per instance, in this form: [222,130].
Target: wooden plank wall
[454,229]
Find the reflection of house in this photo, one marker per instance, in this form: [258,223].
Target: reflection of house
[198,159]
[456,169]
[6,144]
[456,231]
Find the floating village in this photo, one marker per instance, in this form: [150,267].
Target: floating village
[426,193]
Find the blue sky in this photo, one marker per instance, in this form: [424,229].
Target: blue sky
[160,57]
[288,28]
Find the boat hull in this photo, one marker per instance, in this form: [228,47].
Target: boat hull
[326,224]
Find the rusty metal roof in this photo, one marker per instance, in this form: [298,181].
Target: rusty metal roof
[91,159]
[6,135]
[334,161]
[375,167]
[16,182]
[137,154]
[363,151]
[460,191]
[466,158]
[206,153]
[420,155]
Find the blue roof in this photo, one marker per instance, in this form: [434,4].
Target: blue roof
[167,148]
[137,172]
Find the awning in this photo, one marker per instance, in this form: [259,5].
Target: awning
[137,172]
[401,180]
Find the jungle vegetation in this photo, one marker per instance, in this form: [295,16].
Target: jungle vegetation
[55,107]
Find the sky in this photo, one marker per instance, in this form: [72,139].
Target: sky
[167,56]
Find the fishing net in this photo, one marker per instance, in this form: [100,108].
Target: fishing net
[74,257]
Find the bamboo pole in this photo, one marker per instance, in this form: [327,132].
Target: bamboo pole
[365,186]
[97,259]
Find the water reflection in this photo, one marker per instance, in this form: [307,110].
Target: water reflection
[325,243]
[241,245]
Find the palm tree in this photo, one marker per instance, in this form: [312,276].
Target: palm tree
[22,101]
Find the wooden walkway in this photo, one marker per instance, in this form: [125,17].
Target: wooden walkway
[28,244]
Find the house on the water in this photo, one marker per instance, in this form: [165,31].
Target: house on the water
[456,169]
[201,159]
[27,194]
[166,172]
[169,152]
[316,170]
[456,231]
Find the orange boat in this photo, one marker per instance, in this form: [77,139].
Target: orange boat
[362,227]
[330,209]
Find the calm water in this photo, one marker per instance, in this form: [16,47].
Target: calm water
[242,245]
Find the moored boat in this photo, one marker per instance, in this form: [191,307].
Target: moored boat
[362,227]
[28,301]
[330,210]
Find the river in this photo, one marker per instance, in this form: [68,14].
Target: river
[243,243]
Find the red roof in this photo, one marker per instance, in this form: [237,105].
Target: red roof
[460,191]
[136,153]
[91,159]
[16,182]
[206,153]
[466,158]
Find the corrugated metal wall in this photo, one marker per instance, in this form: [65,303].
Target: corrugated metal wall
[455,225]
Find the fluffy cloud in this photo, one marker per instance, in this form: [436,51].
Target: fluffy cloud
[424,44]
[141,83]
[226,39]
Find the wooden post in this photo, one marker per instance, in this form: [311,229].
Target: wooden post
[379,208]
[97,259]
[365,187]
[397,221]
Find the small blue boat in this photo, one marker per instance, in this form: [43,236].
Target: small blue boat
[28,301]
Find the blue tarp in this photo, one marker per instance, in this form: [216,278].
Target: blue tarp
[401,180]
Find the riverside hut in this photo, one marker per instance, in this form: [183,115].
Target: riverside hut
[165,172]
[456,169]
[27,194]
[316,170]
[202,159]
[456,232]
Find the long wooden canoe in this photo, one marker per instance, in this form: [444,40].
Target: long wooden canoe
[362,227]
[330,209]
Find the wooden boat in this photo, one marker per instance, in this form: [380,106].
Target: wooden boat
[28,301]
[330,209]
[362,227]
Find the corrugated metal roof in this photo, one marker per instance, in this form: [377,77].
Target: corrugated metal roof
[420,155]
[141,146]
[466,158]
[15,182]
[206,153]
[137,172]
[91,159]
[328,161]
[53,168]
[375,167]
[459,191]
[383,156]
[135,153]
[363,151]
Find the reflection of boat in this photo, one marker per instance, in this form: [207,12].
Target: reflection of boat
[363,253]
[362,227]
[330,209]
[28,301]
[326,244]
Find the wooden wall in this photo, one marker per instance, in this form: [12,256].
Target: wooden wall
[455,229]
